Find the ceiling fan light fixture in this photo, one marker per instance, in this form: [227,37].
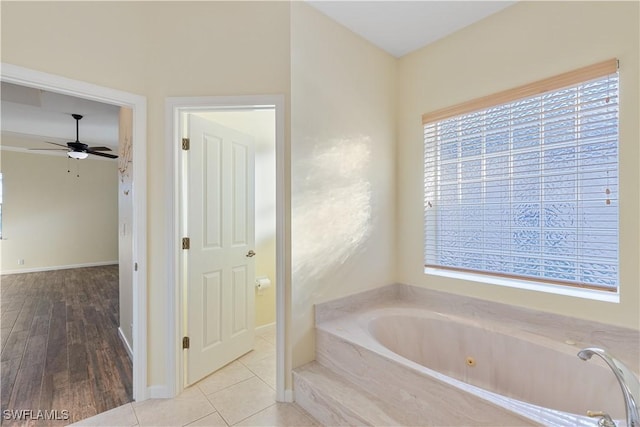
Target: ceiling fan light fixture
[79,155]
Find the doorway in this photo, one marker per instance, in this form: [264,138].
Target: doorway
[232,119]
[61,85]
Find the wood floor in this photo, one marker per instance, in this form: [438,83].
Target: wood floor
[60,343]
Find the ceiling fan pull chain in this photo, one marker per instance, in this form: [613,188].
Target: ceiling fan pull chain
[68,165]
[78,170]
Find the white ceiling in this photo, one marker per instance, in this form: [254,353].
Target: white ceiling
[400,27]
[31,116]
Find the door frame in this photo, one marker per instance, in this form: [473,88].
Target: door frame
[10,73]
[175,320]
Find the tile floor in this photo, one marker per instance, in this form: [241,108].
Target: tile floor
[240,394]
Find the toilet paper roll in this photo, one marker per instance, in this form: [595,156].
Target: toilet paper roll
[263,283]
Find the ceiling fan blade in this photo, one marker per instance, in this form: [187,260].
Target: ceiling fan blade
[55,143]
[97,153]
[49,149]
[99,149]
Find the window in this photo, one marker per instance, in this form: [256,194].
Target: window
[524,183]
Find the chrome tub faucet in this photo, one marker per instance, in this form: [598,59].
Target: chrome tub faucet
[627,380]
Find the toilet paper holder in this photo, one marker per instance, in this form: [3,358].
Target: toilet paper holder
[262,283]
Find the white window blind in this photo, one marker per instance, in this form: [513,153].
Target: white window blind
[528,188]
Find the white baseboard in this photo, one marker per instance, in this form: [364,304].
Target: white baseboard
[158,392]
[59,267]
[267,326]
[288,396]
[127,346]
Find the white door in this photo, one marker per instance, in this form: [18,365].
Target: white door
[219,264]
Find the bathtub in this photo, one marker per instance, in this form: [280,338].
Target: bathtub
[443,369]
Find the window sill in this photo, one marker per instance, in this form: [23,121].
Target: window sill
[526,284]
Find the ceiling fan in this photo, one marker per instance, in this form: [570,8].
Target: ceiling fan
[77,149]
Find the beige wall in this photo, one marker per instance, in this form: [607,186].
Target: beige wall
[342,159]
[523,43]
[155,49]
[52,218]
[202,48]
[261,125]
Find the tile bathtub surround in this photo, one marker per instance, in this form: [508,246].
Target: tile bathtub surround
[351,348]
[330,310]
[623,343]
[423,400]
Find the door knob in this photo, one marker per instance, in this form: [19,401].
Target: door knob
[250,254]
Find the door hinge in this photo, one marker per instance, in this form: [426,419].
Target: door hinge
[135,266]
[186,243]
[185,342]
[185,143]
